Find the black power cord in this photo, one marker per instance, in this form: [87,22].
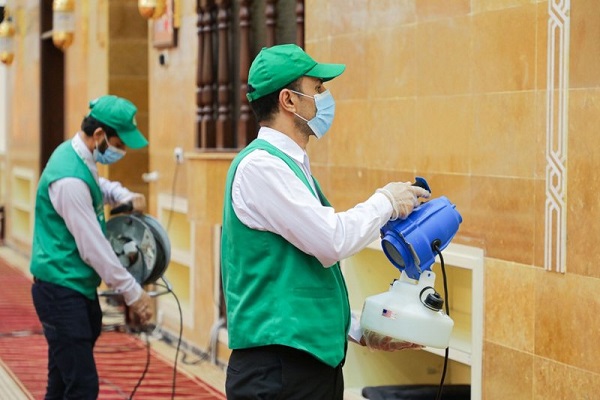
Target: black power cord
[436,247]
[147,366]
[170,290]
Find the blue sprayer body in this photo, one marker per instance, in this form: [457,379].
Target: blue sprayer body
[410,243]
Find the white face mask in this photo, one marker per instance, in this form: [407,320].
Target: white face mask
[111,155]
[322,121]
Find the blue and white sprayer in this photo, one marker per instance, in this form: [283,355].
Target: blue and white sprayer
[411,310]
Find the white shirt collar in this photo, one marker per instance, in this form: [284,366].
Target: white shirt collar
[84,153]
[284,143]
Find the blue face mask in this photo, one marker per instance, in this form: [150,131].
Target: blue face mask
[111,155]
[325,104]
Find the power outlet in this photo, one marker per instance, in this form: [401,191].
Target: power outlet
[178,152]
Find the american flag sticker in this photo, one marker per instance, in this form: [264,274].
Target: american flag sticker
[387,313]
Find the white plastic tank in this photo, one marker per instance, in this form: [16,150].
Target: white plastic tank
[402,313]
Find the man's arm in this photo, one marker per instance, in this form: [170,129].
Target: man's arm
[114,193]
[72,200]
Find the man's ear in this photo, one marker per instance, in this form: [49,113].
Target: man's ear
[98,134]
[286,101]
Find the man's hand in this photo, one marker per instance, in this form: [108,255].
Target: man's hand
[141,309]
[138,201]
[375,341]
[403,196]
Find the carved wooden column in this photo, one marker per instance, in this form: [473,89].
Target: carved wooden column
[199,134]
[300,23]
[205,76]
[224,135]
[246,123]
[271,22]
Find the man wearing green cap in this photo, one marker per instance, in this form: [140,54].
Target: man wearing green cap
[288,315]
[71,255]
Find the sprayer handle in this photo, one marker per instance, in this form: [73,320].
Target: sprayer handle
[421,182]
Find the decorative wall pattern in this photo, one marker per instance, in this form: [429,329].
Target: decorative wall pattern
[555,243]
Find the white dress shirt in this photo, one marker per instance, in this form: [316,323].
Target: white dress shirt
[268,196]
[72,200]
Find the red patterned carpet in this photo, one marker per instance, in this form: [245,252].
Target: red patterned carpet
[120,357]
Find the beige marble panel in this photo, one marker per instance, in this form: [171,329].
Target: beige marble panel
[553,380]
[584,45]
[436,9]
[505,139]
[566,319]
[349,186]
[445,128]
[541,109]
[444,51]
[318,149]
[392,63]
[541,45]
[394,144]
[583,182]
[316,20]
[347,17]
[479,6]
[539,207]
[352,51]
[509,304]
[504,50]
[507,373]
[351,134]
[385,14]
[502,215]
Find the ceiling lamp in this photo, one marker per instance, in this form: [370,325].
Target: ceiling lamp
[7,39]
[152,9]
[63,23]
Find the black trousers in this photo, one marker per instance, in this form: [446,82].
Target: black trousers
[281,373]
[71,323]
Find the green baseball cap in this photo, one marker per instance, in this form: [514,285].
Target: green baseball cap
[276,67]
[119,114]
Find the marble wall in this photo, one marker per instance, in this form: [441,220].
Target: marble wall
[457,92]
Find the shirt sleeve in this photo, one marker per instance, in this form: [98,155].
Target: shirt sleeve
[267,195]
[355,331]
[72,200]
[113,193]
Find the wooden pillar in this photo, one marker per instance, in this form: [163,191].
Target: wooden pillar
[224,134]
[246,125]
[300,23]
[205,76]
[271,22]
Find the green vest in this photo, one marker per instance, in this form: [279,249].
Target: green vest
[274,292]
[55,256]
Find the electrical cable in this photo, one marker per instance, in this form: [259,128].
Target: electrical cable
[172,196]
[173,384]
[170,290]
[139,382]
[435,245]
